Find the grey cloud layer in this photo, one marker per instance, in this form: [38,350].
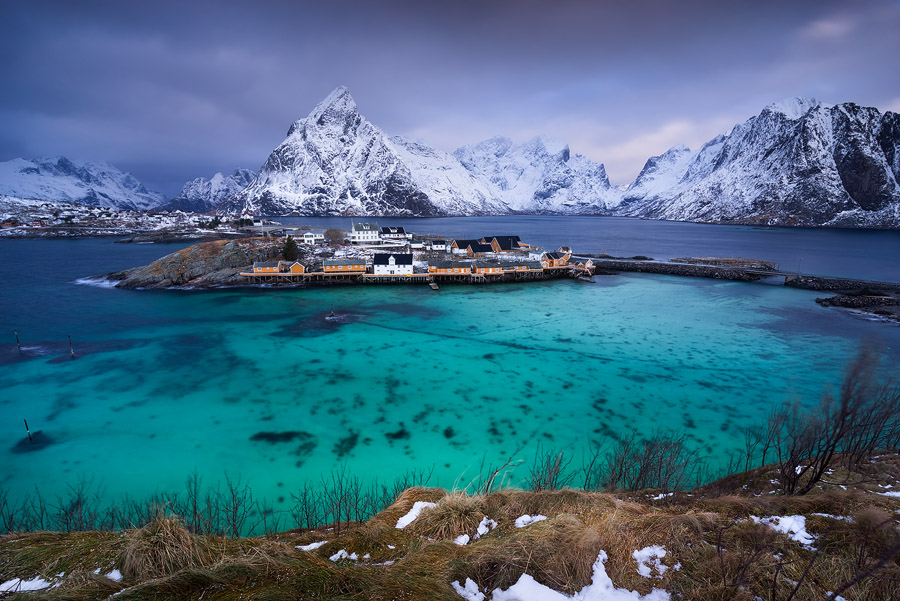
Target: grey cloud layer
[172,91]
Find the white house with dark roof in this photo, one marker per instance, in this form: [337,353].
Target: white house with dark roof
[397,234]
[364,232]
[314,237]
[392,264]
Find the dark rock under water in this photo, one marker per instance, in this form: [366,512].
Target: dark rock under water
[38,441]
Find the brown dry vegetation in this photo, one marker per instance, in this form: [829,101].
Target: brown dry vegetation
[721,552]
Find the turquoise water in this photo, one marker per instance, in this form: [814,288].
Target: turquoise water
[404,377]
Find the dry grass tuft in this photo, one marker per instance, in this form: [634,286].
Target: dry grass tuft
[85,581]
[558,552]
[455,514]
[163,547]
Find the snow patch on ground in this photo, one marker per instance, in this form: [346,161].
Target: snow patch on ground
[115,575]
[649,559]
[892,493]
[792,525]
[842,518]
[528,520]
[311,546]
[417,508]
[661,496]
[342,554]
[468,591]
[527,588]
[486,525]
[17,584]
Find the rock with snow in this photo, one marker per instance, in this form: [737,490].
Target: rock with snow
[336,162]
[203,195]
[59,179]
[541,176]
[798,163]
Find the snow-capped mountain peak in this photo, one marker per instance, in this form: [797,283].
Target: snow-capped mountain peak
[793,108]
[335,162]
[202,195]
[540,176]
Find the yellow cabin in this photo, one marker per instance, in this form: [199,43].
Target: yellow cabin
[267,267]
[296,268]
[488,269]
[343,266]
[450,268]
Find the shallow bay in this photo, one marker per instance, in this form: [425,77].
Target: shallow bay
[265,384]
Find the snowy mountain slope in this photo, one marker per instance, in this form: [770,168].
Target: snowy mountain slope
[58,179]
[202,195]
[541,176]
[798,162]
[335,162]
[660,173]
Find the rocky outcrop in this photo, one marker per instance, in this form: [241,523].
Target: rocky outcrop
[207,265]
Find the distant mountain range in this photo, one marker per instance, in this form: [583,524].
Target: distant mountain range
[204,195]
[59,179]
[798,163]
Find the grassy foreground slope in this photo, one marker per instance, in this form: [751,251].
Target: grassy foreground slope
[720,542]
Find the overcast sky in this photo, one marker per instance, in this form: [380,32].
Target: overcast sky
[176,90]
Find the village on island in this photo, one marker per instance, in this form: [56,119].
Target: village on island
[390,254]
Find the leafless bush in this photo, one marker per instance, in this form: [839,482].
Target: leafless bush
[549,470]
[862,419]
[662,461]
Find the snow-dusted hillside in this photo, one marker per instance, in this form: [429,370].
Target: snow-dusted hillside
[60,180]
[798,162]
[335,162]
[541,176]
[202,195]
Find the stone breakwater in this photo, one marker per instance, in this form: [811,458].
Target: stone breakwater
[692,270]
[841,285]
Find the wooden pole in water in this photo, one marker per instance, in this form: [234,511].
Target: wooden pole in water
[71,349]
[28,431]
[19,346]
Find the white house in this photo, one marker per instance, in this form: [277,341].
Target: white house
[392,264]
[314,237]
[364,233]
[536,254]
[396,234]
[440,245]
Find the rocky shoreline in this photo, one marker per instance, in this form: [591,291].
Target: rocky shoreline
[205,265]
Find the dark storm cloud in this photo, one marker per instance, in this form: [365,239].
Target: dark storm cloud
[172,91]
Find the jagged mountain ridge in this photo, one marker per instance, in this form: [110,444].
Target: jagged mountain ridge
[202,195]
[58,179]
[335,162]
[541,176]
[798,163]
